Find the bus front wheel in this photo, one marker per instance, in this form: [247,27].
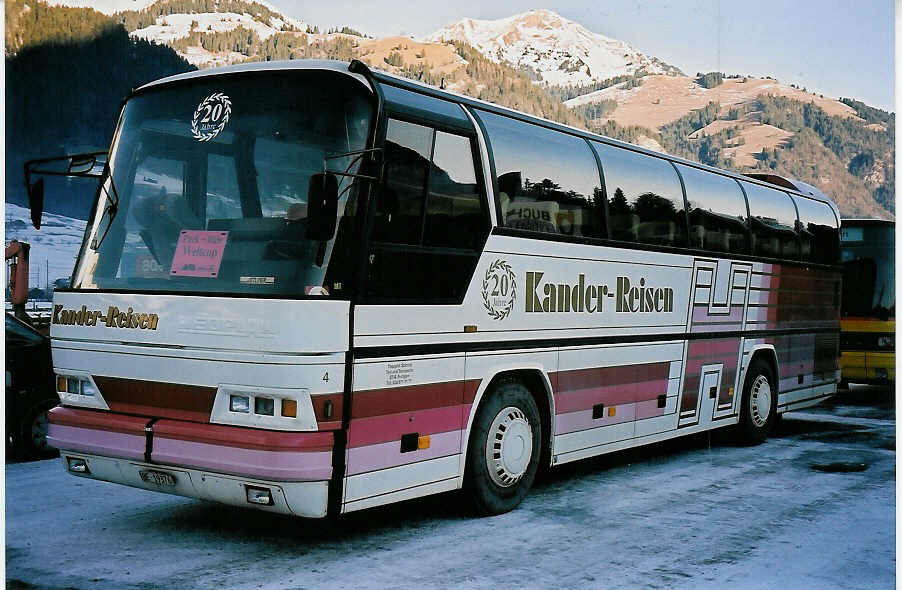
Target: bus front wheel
[503,454]
[758,411]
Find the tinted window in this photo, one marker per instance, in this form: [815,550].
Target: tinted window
[430,220]
[718,220]
[645,199]
[228,154]
[773,221]
[427,108]
[818,231]
[454,214]
[868,279]
[399,211]
[547,181]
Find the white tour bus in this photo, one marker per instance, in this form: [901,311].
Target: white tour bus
[312,288]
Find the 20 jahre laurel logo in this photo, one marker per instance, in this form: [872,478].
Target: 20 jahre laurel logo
[211,116]
[499,290]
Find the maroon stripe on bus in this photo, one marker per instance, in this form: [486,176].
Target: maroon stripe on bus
[157,399]
[333,421]
[471,386]
[394,400]
[97,420]
[243,437]
[381,429]
[607,376]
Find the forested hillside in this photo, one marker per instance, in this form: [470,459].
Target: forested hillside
[68,68]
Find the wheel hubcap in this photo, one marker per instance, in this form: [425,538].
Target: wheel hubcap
[508,447]
[760,401]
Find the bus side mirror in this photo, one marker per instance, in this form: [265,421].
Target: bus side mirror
[36,202]
[322,207]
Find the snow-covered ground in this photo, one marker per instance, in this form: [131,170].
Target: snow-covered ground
[53,247]
[684,514]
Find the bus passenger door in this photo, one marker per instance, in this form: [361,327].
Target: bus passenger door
[429,223]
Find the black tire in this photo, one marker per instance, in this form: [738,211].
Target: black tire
[33,432]
[758,409]
[509,412]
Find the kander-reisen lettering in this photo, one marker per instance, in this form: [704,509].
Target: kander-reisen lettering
[582,298]
[114,318]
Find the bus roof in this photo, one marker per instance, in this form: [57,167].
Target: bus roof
[340,67]
[795,186]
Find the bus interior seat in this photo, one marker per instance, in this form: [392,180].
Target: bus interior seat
[656,232]
[624,226]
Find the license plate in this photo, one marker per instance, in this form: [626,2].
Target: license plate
[159,478]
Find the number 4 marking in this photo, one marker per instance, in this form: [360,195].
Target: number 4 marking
[326,377]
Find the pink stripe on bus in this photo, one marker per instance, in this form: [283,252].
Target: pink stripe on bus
[649,409]
[577,421]
[276,465]
[387,455]
[100,442]
[700,314]
[581,399]
[380,429]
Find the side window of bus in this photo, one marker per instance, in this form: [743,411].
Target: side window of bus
[547,180]
[773,222]
[645,199]
[818,231]
[718,218]
[430,220]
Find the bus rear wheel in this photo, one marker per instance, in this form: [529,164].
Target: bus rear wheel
[758,411]
[503,454]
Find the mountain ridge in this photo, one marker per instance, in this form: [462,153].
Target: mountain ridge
[713,118]
[555,49]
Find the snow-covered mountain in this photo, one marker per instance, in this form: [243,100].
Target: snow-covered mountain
[105,6]
[171,23]
[53,247]
[176,26]
[557,50]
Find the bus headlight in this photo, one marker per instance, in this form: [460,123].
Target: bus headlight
[79,389]
[75,386]
[239,403]
[264,407]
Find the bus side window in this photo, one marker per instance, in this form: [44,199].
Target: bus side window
[645,199]
[547,180]
[718,217]
[774,222]
[454,212]
[430,221]
[818,230]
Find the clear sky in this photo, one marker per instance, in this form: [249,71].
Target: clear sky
[835,47]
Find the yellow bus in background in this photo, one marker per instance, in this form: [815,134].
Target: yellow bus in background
[868,342]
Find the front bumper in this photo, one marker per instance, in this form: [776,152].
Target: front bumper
[206,461]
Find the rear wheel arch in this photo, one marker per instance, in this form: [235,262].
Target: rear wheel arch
[765,353]
[759,398]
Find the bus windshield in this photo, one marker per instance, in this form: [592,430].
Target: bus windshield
[868,277]
[209,186]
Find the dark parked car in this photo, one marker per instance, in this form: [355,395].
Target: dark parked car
[30,389]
